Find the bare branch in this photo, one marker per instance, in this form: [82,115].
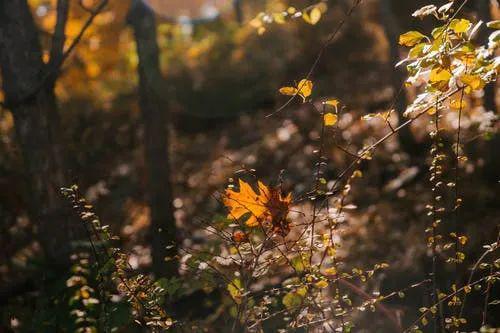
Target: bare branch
[59,36]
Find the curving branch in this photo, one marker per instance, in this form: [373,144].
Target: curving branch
[59,36]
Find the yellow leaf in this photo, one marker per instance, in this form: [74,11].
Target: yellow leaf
[416,51]
[306,17]
[261,30]
[84,293]
[331,271]
[302,291]
[322,6]
[289,91]
[234,288]
[357,174]
[93,70]
[410,38]
[291,10]
[332,102]
[321,284]
[314,15]
[457,104]
[305,88]
[460,25]
[473,81]
[439,74]
[257,21]
[432,111]
[330,119]
[279,18]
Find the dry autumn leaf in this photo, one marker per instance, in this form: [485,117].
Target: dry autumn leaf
[269,205]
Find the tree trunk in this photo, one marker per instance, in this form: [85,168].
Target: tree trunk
[238,11]
[484,14]
[392,32]
[33,105]
[155,117]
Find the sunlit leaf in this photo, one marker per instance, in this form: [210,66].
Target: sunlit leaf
[331,271]
[446,7]
[279,18]
[439,74]
[332,102]
[321,284]
[305,88]
[330,119]
[268,204]
[473,82]
[416,51]
[457,104]
[234,289]
[425,11]
[460,26]
[290,91]
[313,16]
[410,38]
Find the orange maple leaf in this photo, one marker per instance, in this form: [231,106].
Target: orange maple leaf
[268,205]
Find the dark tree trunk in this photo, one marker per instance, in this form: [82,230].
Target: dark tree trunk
[392,32]
[238,11]
[484,13]
[155,117]
[32,101]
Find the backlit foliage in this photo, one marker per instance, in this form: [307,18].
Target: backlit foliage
[278,259]
[269,206]
[143,294]
[281,14]
[318,292]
